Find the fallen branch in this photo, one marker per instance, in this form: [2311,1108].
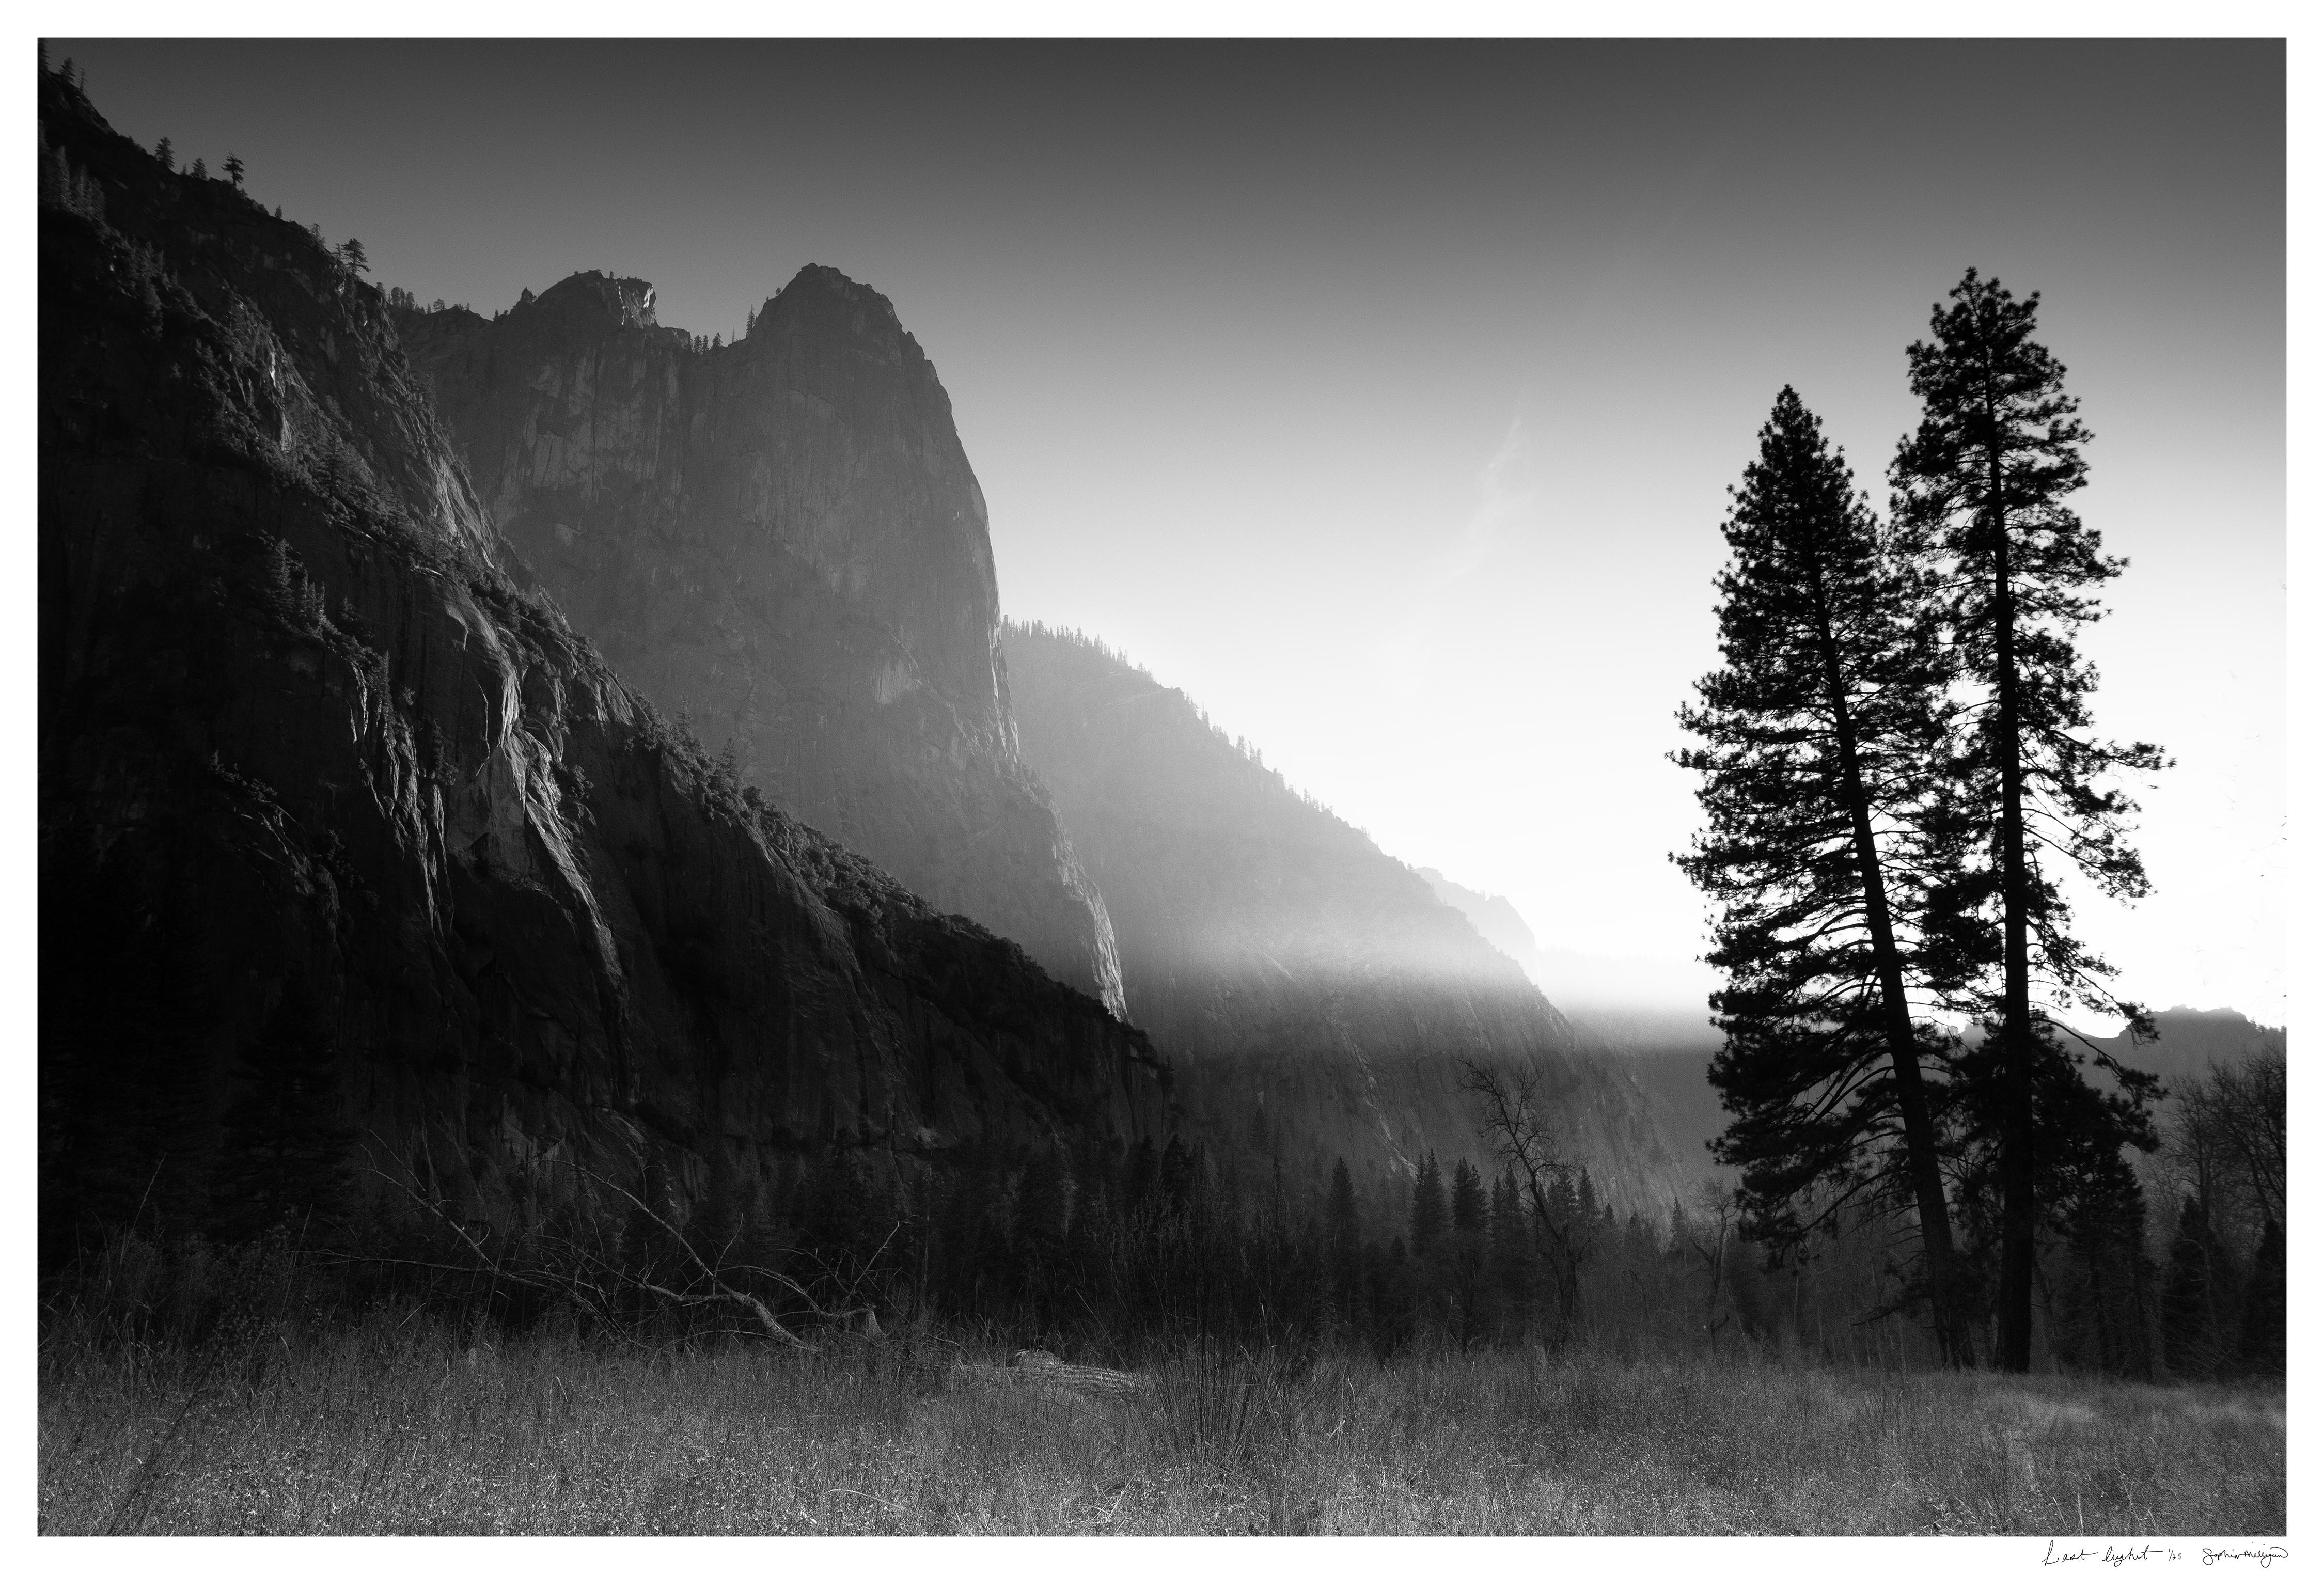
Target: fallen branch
[1040,1367]
[583,1277]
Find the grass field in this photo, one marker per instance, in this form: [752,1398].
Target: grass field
[413,1428]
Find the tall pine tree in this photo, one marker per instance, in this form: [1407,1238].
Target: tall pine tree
[1468,1198]
[282,1152]
[2189,1324]
[1343,1239]
[1820,732]
[2260,1349]
[1980,491]
[1430,1216]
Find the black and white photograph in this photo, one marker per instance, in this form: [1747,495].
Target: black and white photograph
[1030,785]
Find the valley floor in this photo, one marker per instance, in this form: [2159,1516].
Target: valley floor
[382,1429]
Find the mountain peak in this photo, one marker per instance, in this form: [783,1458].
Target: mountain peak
[817,278]
[822,300]
[621,303]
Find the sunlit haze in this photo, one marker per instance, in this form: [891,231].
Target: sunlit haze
[1384,397]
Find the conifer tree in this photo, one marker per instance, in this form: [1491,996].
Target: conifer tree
[1468,1198]
[1470,1262]
[2188,1333]
[2261,1350]
[963,1243]
[1179,1176]
[1512,1256]
[1257,1135]
[2106,1301]
[201,172]
[1089,1238]
[1821,730]
[1981,489]
[281,1156]
[1139,1168]
[1430,1215]
[1039,1237]
[234,169]
[162,151]
[1343,1236]
[834,1217]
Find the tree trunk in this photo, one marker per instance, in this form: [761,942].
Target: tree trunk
[1897,1021]
[2014,1343]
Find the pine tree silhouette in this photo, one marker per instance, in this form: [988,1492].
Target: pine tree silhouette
[281,1159]
[1820,731]
[1468,1198]
[1430,1214]
[2260,1348]
[1343,1239]
[2189,1342]
[1981,492]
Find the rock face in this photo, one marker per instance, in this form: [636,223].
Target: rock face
[1284,963]
[782,540]
[313,770]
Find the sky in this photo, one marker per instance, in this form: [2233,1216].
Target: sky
[1384,397]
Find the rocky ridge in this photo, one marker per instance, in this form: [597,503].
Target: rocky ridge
[314,769]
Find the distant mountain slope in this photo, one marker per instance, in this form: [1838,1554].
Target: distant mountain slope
[2190,1042]
[1280,959]
[1667,1050]
[781,538]
[315,779]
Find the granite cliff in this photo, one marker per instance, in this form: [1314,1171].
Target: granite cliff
[1284,963]
[315,774]
[781,539]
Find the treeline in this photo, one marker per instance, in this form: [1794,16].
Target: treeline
[1112,1253]
[2213,1258]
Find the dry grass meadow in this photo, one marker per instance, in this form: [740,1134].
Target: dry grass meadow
[413,1427]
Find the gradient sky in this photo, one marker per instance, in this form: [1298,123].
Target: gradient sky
[1384,397]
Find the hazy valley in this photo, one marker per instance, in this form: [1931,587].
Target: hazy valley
[568,910]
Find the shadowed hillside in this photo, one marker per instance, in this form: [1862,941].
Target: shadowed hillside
[1284,963]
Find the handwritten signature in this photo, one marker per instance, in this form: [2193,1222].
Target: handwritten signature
[2116,1557]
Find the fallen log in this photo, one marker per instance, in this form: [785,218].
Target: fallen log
[1040,1367]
